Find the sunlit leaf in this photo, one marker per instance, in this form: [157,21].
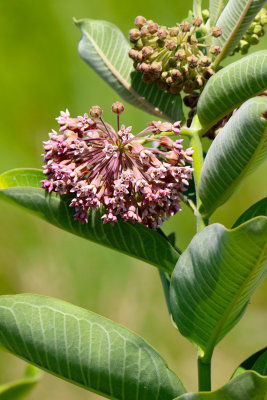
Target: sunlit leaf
[257,362]
[105,49]
[248,386]
[231,86]
[214,280]
[85,349]
[215,7]
[239,148]
[22,187]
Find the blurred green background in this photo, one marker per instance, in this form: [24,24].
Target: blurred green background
[40,74]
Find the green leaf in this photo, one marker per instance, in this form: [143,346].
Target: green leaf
[257,362]
[21,388]
[234,22]
[237,151]
[85,349]
[22,187]
[257,209]
[214,279]
[231,86]
[215,7]
[248,386]
[105,49]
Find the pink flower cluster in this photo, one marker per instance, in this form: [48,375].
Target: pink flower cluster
[105,167]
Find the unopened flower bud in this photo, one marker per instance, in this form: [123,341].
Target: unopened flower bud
[258,30]
[207,73]
[197,21]
[117,107]
[244,46]
[172,157]
[185,26]
[134,35]
[175,74]
[205,61]
[180,55]
[169,80]
[147,51]
[133,53]
[215,50]
[162,33]
[200,81]
[216,31]
[254,39]
[192,61]
[166,142]
[95,111]
[156,67]
[144,31]
[144,67]
[139,56]
[189,86]
[171,45]
[174,31]
[152,27]
[139,21]
[205,15]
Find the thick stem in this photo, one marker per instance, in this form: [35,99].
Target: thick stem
[204,375]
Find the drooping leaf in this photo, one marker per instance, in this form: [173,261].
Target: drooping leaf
[22,187]
[215,7]
[257,362]
[19,389]
[234,22]
[105,49]
[248,386]
[85,349]
[214,279]
[257,209]
[237,151]
[231,86]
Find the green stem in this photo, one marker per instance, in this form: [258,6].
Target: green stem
[204,375]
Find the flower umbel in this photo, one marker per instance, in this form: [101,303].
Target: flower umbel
[102,166]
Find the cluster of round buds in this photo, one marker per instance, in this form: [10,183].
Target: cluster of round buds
[175,57]
[253,34]
[112,169]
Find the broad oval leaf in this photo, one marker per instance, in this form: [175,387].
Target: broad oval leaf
[105,49]
[257,362]
[237,151]
[248,386]
[85,349]
[22,187]
[214,279]
[234,22]
[215,8]
[256,210]
[231,86]
[19,389]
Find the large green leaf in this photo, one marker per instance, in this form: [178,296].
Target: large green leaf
[214,279]
[257,362]
[19,389]
[257,209]
[85,349]
[105,49]
[237,151]
[231,86]
[22,187]
[234,22]
[215,7]
[248,386]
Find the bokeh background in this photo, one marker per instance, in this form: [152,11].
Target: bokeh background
[41,73]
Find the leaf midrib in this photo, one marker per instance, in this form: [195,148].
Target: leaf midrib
[125,83]
[209,349]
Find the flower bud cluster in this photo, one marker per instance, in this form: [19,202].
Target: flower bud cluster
[174,57]
[104,167]
[253,34]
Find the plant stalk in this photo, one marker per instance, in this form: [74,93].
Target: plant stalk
[204,375]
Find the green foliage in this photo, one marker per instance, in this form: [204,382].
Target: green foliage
[248,386]
[231,86]
[85,349]
[234,22]
[22,187]
[257,209]
[238,150]
[214,279]
[215,8]
[19,389]
[257,362]
[105,49]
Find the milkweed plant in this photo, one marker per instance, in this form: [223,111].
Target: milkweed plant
[110,184]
